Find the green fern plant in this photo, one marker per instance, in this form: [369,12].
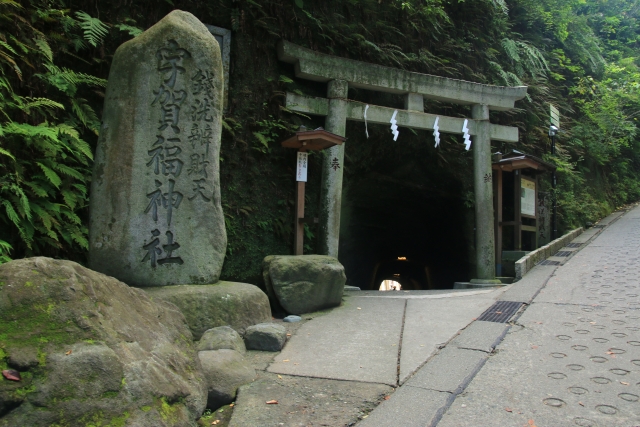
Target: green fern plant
[45,160]
[94,29]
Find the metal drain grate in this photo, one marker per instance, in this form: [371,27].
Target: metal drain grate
[563,253]
[547,262]
[501,311]
[599,226]
[574,245]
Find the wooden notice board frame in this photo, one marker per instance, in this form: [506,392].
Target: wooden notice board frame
[516,163]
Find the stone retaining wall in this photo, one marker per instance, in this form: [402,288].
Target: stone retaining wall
[527,262]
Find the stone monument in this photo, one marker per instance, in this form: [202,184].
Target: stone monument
[156,217]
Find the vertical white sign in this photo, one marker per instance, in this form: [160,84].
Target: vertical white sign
[303,163]
[528,197]
[555,116]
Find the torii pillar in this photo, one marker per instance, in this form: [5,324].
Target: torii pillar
[483,186]
[332,170]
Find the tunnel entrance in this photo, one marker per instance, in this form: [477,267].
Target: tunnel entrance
[405,218]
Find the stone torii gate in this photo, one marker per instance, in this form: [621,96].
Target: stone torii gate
[340,73]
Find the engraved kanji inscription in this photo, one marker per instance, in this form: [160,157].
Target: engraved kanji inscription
[198,165]
[170,60]
[198,189]
[153,251]
[169,248]
[169,200]
[202,82]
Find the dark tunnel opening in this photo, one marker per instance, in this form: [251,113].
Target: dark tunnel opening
[406,199]
[408,233]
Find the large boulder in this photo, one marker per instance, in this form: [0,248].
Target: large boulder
[238,305]
[304,283]
[156,217]
[222,337]
[92,351]
[224,371]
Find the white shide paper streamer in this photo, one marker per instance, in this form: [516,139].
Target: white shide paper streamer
[467,140]
[394,127]
[436,131]
[366,130]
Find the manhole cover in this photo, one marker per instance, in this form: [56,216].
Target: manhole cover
[500,311]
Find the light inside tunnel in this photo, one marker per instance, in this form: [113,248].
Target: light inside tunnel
[390,285]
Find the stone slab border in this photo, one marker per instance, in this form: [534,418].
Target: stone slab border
[527,262]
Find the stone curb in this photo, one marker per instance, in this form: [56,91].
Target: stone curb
[527,262]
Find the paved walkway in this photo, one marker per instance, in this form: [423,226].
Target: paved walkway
[573,357]
[569,356]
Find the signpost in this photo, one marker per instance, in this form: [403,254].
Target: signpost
[305,140]
[554,127]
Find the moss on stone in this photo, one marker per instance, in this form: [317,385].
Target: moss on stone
[168,411]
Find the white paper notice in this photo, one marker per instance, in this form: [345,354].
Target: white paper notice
[528,197]
[303,163]
[365,121]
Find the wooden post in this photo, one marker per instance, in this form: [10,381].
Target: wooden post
[535,239]
[498,221]
[298,241]
[299,225]
[517,210]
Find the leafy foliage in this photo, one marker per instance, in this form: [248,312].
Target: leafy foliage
[47,123]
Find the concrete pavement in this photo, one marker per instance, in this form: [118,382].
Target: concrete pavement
[570,355]
[573,357]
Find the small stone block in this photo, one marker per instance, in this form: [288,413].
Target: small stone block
[265,337]
[292,319]
[222,337]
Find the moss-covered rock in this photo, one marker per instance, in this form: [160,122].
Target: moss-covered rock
[222,337]
[304,283]
[224,370]
[92,350]
[237,305]
[265,337]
